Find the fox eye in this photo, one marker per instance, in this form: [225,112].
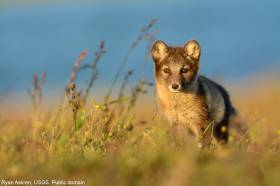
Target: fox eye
[184,70]
[166,70]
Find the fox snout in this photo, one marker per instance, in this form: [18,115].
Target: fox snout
[175,84]
[175,87]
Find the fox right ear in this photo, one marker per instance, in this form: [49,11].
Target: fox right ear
[193,50]
[159,51]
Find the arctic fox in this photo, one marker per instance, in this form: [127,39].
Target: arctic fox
[186,98]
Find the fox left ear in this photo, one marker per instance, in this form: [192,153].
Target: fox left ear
[193,50]
[159,51]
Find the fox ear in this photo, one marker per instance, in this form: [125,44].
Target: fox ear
[193,50]
[159,51]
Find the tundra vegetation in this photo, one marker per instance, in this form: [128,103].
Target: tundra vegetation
[109,142]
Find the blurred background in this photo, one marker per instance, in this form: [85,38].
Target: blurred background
[239,39]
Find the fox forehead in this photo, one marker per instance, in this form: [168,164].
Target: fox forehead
[176,58]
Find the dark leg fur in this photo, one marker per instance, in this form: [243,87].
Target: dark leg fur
[220,134]
[221,129]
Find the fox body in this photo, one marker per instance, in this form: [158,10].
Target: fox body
[187,99]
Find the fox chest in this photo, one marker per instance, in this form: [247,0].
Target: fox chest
[187,110]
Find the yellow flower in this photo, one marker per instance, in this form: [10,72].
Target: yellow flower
[224,129]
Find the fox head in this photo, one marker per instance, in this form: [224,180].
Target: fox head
[176,68]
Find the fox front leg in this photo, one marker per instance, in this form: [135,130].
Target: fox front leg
[203,136]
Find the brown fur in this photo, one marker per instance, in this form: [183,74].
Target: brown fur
[186,106]
[187,109]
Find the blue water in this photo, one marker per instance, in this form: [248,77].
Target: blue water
[238,38]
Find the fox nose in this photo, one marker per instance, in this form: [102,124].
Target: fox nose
[175,86]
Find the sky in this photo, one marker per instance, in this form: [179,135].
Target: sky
[238,38]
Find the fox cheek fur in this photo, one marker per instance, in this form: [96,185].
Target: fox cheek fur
[186,98]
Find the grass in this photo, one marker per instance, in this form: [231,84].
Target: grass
[110,143]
